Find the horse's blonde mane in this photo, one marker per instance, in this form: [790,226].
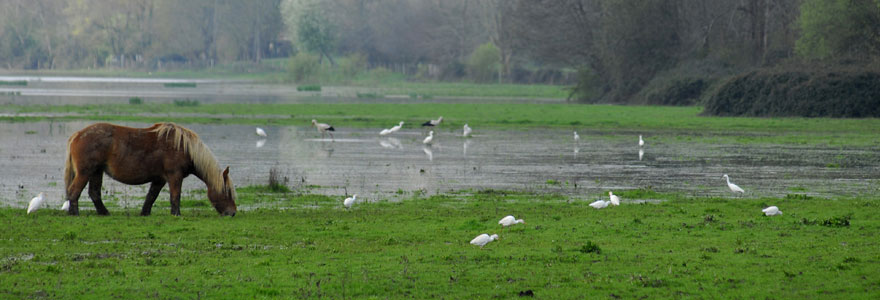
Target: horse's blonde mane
[202,157]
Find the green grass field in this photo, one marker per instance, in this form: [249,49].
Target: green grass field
[307,246]
[667,123]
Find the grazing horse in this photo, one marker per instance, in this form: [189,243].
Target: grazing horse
[162,153]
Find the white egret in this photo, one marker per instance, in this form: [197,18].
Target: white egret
[385,132]
[323,128]
[466,130]
[614,199]
[349,201]
[599,204]
[577,138]
[261,132]
[483,239]
[641,141]
[36,202]
[430,139]
[509,221]
[261,143]
[433,123]
[65,206]
[733,188]
[396,128]
[772,211]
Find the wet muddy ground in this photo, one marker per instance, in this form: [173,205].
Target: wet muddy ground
[540,160]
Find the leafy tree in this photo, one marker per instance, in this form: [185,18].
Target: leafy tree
[834,28]
[483,64]
[316,33]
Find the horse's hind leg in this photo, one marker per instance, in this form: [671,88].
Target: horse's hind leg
[95,182]
[155,188]
[73,192]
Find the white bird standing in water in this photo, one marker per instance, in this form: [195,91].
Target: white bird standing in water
[466,131]
[641,141]
[772,211]
[261,132]
[483,239]
[65,206]
[36,202]
[348,202]
[385,132]
[577,138]
[396,128]
[599,204]
[614,199]
[733,188]
[509,221]
[430,139]
[323,128]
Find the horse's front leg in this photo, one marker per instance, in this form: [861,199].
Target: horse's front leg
[155,188]
[95,182]
[174,184]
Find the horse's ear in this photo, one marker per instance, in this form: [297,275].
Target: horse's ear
[226,174]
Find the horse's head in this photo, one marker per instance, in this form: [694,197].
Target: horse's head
[223,198]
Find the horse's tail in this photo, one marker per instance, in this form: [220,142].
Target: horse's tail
[69,170]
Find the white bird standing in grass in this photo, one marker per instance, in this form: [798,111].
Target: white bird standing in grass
[483,239]
[36,202]
[348,202]
[733,188]
[509,221]
[772,211]
[430,139]
[261,132]
[65,206]
[614,199]
[641,141]
[466,131]
[599,204]
[433,123]
[323,128]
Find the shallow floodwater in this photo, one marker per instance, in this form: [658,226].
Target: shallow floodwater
[540,160]
[53,90]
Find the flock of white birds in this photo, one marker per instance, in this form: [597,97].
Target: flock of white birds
[482,239]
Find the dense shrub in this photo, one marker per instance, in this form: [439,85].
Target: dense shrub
[352,65]
[681,91]
[804,93]
[303,67]
[482,65]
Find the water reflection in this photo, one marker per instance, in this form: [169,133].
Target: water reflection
[428,152]
[641,153]
[261,143]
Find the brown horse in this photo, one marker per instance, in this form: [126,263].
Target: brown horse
[162,153]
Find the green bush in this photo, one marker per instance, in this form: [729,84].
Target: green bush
[303,67]
[352,65]
[180,85]
[482,65]
[135,100]
[819,92]
[15,82]
[309,88]
[186,102]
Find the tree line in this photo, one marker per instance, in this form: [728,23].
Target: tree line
[621,49]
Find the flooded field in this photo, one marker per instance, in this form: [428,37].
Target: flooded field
[99,90]
[541,160]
